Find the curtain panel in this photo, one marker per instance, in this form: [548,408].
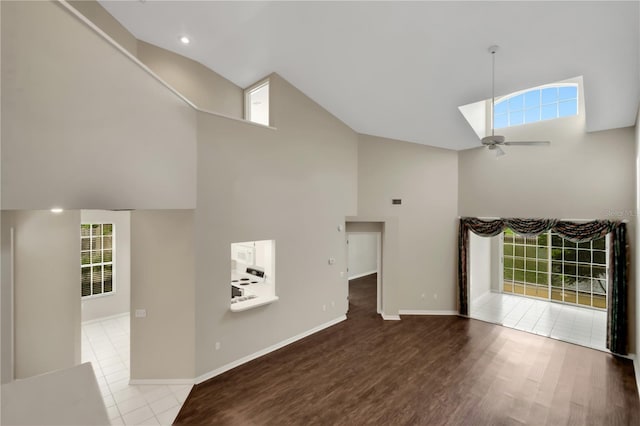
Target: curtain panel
[575,232]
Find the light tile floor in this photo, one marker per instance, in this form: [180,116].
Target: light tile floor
[105,343]
[573,324]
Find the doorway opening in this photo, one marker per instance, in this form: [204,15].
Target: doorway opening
[105,294]
[364,269]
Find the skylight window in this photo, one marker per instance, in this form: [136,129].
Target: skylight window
[545,103]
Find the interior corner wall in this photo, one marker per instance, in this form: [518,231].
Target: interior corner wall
[93,11]
[47,291]
[426,179]
[84,126]
[7,220]
[294,185]
[480,267]
[362,254]
[579,176]
[117,302]
[162,274]
[207,89]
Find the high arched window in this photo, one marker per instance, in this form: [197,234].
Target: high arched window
[545,103]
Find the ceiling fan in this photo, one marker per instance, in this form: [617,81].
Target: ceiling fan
[494,141]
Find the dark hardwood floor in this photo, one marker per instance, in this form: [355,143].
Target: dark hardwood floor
[440,370]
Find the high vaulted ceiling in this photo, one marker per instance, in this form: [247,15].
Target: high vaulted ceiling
[401,69]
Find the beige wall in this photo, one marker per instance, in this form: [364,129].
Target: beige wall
[97,14]
[84,126]
[579,176]
[295,185]
[426,179]
[47,302]
[162,277]
[362,254]
[207,89]
[118,301]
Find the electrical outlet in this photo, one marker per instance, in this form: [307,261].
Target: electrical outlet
[141,313]
[324,308]
[332,260]
[333,304]
[217,346]
[341,274]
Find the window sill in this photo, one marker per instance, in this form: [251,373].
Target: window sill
[98,296]
[253,303]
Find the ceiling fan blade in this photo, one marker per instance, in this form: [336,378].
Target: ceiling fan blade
[493,140]
[527,143]
[499,151]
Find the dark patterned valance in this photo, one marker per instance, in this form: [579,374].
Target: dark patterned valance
[575,232]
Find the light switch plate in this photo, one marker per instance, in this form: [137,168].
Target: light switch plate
[141,313]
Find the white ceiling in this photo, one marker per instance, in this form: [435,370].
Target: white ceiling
[401,69]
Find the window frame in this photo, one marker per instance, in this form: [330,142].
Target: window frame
[247,100]
[557,102]
[91,265]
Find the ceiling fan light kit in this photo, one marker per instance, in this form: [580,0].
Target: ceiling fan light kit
[493,141]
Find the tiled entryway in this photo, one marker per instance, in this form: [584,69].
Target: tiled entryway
[573,324]
[105,343]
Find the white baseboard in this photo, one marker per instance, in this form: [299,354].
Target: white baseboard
[243,360]
[124,314]
[363,274]
[418,312]
[161,381]
[390,317]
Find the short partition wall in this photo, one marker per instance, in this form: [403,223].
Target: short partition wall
[575,233]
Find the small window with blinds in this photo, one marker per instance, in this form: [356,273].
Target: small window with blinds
[96,259]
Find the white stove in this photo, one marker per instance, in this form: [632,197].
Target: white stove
[242,281]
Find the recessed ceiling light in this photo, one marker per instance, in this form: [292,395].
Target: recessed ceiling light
[56,210]
[185,40]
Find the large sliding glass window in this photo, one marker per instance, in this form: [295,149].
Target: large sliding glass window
[551,267]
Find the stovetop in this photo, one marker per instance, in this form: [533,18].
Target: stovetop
[252,276]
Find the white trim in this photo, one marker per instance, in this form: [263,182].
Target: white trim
[12,272]
[124,314]
[148,70]
[390,317]
[379,272]
[636,369]
[364,274]
[265,82]
[213,373]
[419,312]
[161,381]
